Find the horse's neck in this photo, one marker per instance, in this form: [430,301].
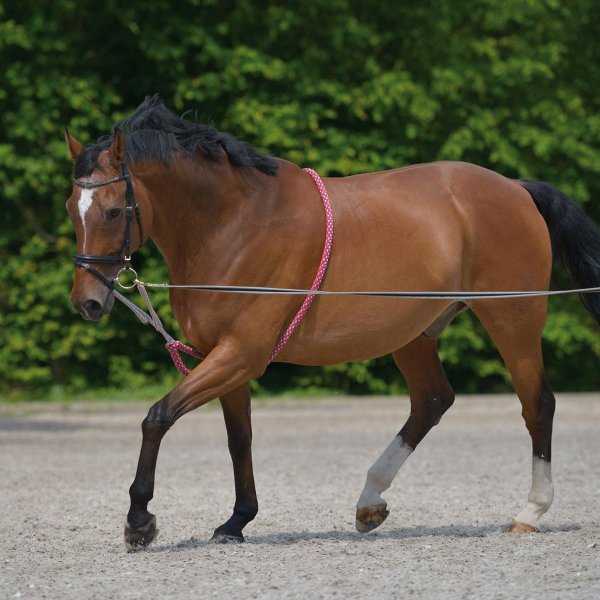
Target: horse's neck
[204,217]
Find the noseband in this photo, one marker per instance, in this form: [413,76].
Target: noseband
[131,207]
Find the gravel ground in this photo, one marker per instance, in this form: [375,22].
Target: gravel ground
[65,473]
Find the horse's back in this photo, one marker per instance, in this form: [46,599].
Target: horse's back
[448,212]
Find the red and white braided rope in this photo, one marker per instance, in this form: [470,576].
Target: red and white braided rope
[282,341]
[174,347]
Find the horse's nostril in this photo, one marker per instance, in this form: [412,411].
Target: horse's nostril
[93,309]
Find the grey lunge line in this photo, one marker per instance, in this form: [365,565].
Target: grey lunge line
[153,319]
[145,317]
[242,289]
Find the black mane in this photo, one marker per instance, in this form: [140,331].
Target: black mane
[153,131]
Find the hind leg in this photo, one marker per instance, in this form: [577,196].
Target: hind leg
[430,396]
[516,328]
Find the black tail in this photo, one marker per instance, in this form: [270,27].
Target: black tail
[574,236]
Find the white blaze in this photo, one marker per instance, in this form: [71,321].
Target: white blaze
[541,494]
[85,201]
[383,471]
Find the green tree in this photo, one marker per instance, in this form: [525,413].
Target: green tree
[341,85]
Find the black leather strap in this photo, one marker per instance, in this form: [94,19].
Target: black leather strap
[109,283]
[97,259]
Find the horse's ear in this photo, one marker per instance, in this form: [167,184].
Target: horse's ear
[116,152]
[73,146]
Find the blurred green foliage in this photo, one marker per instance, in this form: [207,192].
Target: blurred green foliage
[341,85]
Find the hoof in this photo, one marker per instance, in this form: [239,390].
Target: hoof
[371,517]
[518,527]
[220,537]
[140,537]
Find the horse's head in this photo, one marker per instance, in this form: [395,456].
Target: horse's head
[107,223]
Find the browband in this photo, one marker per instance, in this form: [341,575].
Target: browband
[90,185]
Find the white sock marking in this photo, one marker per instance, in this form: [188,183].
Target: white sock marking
[85,201]
[541,494]
[382,472]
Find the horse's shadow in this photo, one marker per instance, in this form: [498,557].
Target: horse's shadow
[400,533]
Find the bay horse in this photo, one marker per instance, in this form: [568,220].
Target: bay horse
[221,212]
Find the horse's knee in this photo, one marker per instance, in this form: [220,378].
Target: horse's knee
[152,428]
[158,420]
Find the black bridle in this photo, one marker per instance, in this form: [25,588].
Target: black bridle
[131,207]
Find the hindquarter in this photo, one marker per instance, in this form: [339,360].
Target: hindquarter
[507,243]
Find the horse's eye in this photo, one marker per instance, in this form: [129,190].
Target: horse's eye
[113,213]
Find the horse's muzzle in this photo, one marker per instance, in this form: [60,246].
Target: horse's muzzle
[93,309]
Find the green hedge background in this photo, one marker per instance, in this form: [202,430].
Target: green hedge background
[343,86]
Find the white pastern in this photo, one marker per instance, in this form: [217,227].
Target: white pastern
[85,201]
[541,494]
[383,471]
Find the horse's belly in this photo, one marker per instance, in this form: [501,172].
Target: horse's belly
[357,328]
